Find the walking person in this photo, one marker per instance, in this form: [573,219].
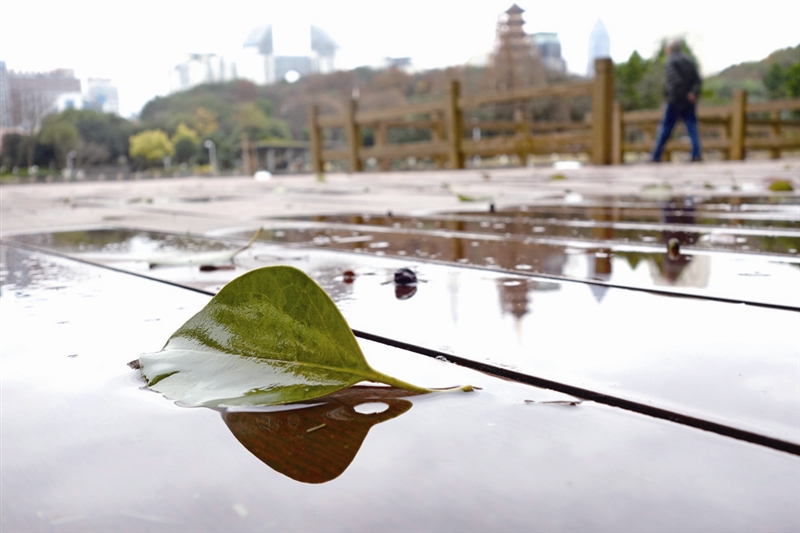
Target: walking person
[681,91]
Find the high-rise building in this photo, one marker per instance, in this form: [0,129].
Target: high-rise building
[199,69]
[101,96]
[549,47]
[33,95]
[286,48]
[599,45]
[5,98]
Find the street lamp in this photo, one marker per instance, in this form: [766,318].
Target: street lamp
[212,155]
[70,162]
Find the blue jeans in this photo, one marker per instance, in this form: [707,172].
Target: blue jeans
[671,116]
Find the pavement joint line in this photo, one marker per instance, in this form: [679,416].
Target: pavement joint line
[578,392]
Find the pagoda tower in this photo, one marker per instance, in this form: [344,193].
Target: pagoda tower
[516,61]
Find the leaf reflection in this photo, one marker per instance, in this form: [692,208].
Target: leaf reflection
[315,444]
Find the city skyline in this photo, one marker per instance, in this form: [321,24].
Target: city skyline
[137,49]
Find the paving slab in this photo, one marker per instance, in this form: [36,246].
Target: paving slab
[635,332]
[86,449]
[201,204]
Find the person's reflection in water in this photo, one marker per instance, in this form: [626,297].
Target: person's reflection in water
[317,441]
[673,262]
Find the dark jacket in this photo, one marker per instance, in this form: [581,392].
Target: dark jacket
[681,78]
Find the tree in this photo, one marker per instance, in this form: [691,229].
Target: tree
[782,82]
[639,82]
[61,135]
[792,80]
[205,121]
[13,150]
[186,143]
[151,146]
[253,124]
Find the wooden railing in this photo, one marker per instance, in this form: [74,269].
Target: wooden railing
[731,130]
[606,136]
[444,119]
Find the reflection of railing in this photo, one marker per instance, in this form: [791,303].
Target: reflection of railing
[732,130]
[444,120]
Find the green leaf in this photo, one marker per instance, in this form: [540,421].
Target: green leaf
[271,336]
[468,198]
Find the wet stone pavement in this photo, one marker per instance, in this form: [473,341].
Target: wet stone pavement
[624,344]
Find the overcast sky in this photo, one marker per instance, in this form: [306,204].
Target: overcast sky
[136,43]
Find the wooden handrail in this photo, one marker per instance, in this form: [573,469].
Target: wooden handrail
[775,105]
[570,90]
[409,110]
[603,136]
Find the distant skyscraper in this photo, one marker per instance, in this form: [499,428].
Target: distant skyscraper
[33,95]
[199,69]
[549,48]
[599,45]
[288,47]
[5,98]
[101,96]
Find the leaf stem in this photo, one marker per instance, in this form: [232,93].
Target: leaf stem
[400,384]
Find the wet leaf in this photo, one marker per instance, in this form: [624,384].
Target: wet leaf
[469,198]
[271,336]
[781,186]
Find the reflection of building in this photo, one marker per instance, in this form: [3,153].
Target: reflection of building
[199,69]
[599,45]
[33,95]
[513,296]
[284,48]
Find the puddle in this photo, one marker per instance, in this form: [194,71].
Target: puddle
[674,260]
[779,235]
[700,358]
[685,268]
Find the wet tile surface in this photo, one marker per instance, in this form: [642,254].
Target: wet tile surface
[710,246]
[84,448]
[737,365]
[631,296]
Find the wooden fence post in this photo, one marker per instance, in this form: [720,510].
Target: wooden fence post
[775,133]
[523,135]
[602,104]
[437,134]
[353,137]
[249,158]
[738,119]
[382,139]
[455,129]
[617,135]
[315,139]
